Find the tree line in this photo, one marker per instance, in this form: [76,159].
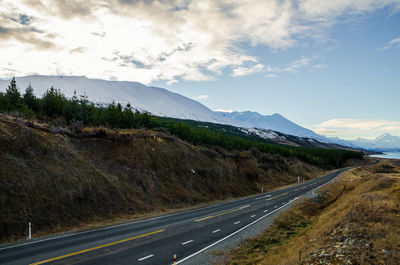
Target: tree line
[55,105]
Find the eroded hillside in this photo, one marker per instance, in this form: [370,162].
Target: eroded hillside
[52,179]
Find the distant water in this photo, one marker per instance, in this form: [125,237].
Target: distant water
[391,155]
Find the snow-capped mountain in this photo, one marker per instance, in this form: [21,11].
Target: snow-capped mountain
[275,122]
[384,142]
[162,102]
[155,100]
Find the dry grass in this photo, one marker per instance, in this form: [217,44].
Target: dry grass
[356,222]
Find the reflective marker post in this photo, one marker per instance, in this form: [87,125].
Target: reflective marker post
[29,231]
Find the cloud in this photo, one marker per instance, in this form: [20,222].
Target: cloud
[201,97]
[271,75]
[326,10]
[148,41]
[352,128]
[78,50]
[66,9]
[28,36]
[393,43]
[319,66]
[241,71]
[171,82]
[224,110]
[294,66]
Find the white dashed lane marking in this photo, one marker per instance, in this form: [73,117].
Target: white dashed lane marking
[187,242]
[216,231]
[149,256]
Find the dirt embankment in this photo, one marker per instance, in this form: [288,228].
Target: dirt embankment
[53,179]
[353,221]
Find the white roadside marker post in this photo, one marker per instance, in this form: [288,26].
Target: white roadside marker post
[262,189]
[298,180]
[29,231]
[313,192]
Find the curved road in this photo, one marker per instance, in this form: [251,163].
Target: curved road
[156,240]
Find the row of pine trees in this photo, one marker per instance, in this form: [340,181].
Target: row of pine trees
[54,105]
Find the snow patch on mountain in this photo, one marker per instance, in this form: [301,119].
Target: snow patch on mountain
[266,134]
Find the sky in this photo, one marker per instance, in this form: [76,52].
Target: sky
[331,66]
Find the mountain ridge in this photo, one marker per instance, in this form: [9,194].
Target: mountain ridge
[158,101]
[162,102]
[275,122]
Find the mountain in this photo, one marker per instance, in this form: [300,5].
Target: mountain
[160,102]
[275,122]
[381,143]
[155,100]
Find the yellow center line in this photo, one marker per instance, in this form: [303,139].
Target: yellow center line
[231,211]
[98,247]
[276,196]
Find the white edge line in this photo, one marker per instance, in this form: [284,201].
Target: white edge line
[149,256]
[119,225]
[234,233]
[109,227]
[114,226]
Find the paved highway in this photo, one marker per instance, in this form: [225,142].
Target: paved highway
[156,240]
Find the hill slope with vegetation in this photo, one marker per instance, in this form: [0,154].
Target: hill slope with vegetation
[67,162]
[52,179]
[76,113]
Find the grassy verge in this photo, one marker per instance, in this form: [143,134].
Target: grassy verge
[353,221]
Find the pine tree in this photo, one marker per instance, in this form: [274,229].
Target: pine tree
[53,102]
[12,94]
[30,99]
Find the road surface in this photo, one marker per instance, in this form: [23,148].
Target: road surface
[156,240]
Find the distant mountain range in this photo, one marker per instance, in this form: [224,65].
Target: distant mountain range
[162,102]
[385,142]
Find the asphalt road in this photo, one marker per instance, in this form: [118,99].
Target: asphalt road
[156,240]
